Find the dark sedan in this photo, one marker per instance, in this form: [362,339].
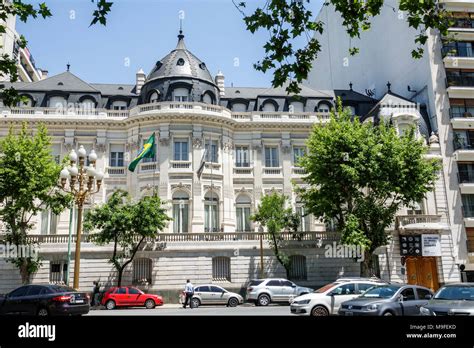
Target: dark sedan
[388,300]
[44,300]
[452,299]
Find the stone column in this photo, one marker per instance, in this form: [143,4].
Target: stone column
[164,155]
[228,218]
[197,206]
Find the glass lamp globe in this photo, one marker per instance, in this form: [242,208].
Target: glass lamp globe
[73,155]
[99,175]
[64,173]
[73,171]
[92,156]
[81,152]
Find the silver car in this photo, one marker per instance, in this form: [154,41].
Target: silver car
[451,299]
[264,291]
[210,294]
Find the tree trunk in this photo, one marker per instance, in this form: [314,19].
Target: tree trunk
[25,275]
[120,273]
[366,266]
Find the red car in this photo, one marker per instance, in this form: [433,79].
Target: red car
[126,296]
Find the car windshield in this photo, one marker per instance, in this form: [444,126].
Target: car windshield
[59,288]
[384,291]
[325,288]
[456,293]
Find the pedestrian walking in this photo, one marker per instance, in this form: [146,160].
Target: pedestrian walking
[95,294]
[189,292]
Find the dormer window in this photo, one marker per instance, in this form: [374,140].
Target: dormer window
[120,88]
[27,102]
[180,62]
[296,106]
[57,102]
[202,66]
[154,97]
[60,84]
[88,104]
[239,107]
[119,105]
[181,94]
[158,64]
[268,107]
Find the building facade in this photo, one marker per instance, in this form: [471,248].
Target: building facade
[253,137]
[440,83]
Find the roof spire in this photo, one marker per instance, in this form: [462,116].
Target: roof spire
[68,66]
[181,44]
[389,85]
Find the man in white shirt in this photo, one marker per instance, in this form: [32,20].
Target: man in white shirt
[189,291]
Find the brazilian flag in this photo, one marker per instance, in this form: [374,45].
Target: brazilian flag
[148,151]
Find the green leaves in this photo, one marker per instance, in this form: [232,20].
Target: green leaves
[100,15]
[360,175]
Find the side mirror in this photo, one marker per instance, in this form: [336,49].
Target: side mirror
[401,298]
[428,297]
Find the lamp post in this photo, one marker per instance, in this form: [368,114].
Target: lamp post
[84,181]
[260,232]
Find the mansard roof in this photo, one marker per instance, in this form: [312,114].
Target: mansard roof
[66,81]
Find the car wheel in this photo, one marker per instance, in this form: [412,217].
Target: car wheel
[264,300]
[42,312]
[233,302]
[195,302]
[149,304]
[110,304]
[388,314]
[319,311]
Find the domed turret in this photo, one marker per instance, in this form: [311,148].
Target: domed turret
[180,76]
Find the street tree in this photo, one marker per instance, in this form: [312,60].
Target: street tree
[28,185]
[287,21]
[125,224]
[274,214]
[359,175]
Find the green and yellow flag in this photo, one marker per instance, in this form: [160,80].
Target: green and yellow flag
[148,151]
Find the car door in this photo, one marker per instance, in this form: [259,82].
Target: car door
[13,304]
[32,299]
[288,290]
[342,293]
[135,297]
[218,295]
[421,300]
[204,294]
[120,296]
[274,288]
[409,302]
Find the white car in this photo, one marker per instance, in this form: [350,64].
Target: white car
[326,300]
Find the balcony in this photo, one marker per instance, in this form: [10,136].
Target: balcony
[149,167]
[272,171]
[419,223]
[243,172]
[460,81]
[454,62]
[116,171]
[298,171]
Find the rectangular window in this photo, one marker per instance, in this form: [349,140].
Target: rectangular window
[180,217]
[220,270]
[242,156]
[181,150]
[271,156]
[304,219]
[49,222]
[466,172]
[116,155]
[468,205]
[298,151]
[181,98]
[211,218]
[243,219]
[212,150]
[58,272]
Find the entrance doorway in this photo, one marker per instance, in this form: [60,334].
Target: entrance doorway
[422,271]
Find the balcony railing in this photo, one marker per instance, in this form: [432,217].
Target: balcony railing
[461,113]
[180,164]
[148,167]
[403,220]
[298,171]
[116,171]
[457,52]
[460,81]
[464,23]
[198,237]
[243,170]
[466,177]
[272,171]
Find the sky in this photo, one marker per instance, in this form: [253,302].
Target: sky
[140,32]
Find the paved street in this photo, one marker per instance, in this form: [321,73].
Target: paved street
[171,309]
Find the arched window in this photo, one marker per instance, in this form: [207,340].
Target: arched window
[324,107]
[221,268]
[296,106]
[207,98]
[211,212]
[27,102]
[268,107]
[119,105]
[243,204]
[88,104]
[298,267]
[154,97]
[180,212]
[239,107]
[57,102]
[181,94]
[142,271]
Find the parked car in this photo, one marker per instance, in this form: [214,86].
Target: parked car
[44,300]
[264,291]
[210,294]
[326,300]
[451,299]
[127,296]
[388,300]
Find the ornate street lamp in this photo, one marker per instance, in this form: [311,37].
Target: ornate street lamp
[84,181]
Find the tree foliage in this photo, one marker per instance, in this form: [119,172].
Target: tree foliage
[359,175]
[28,185]
[273,214]
[288,20]
[126,224]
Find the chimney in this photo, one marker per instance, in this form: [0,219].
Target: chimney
[220,83]
[43,73]
[140,81]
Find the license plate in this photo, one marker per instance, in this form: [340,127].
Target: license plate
[349,314]
[79,301]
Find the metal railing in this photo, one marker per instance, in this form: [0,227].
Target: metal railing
[460,81]
[180,164]
[272,171]
[198,237]
[115,171]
